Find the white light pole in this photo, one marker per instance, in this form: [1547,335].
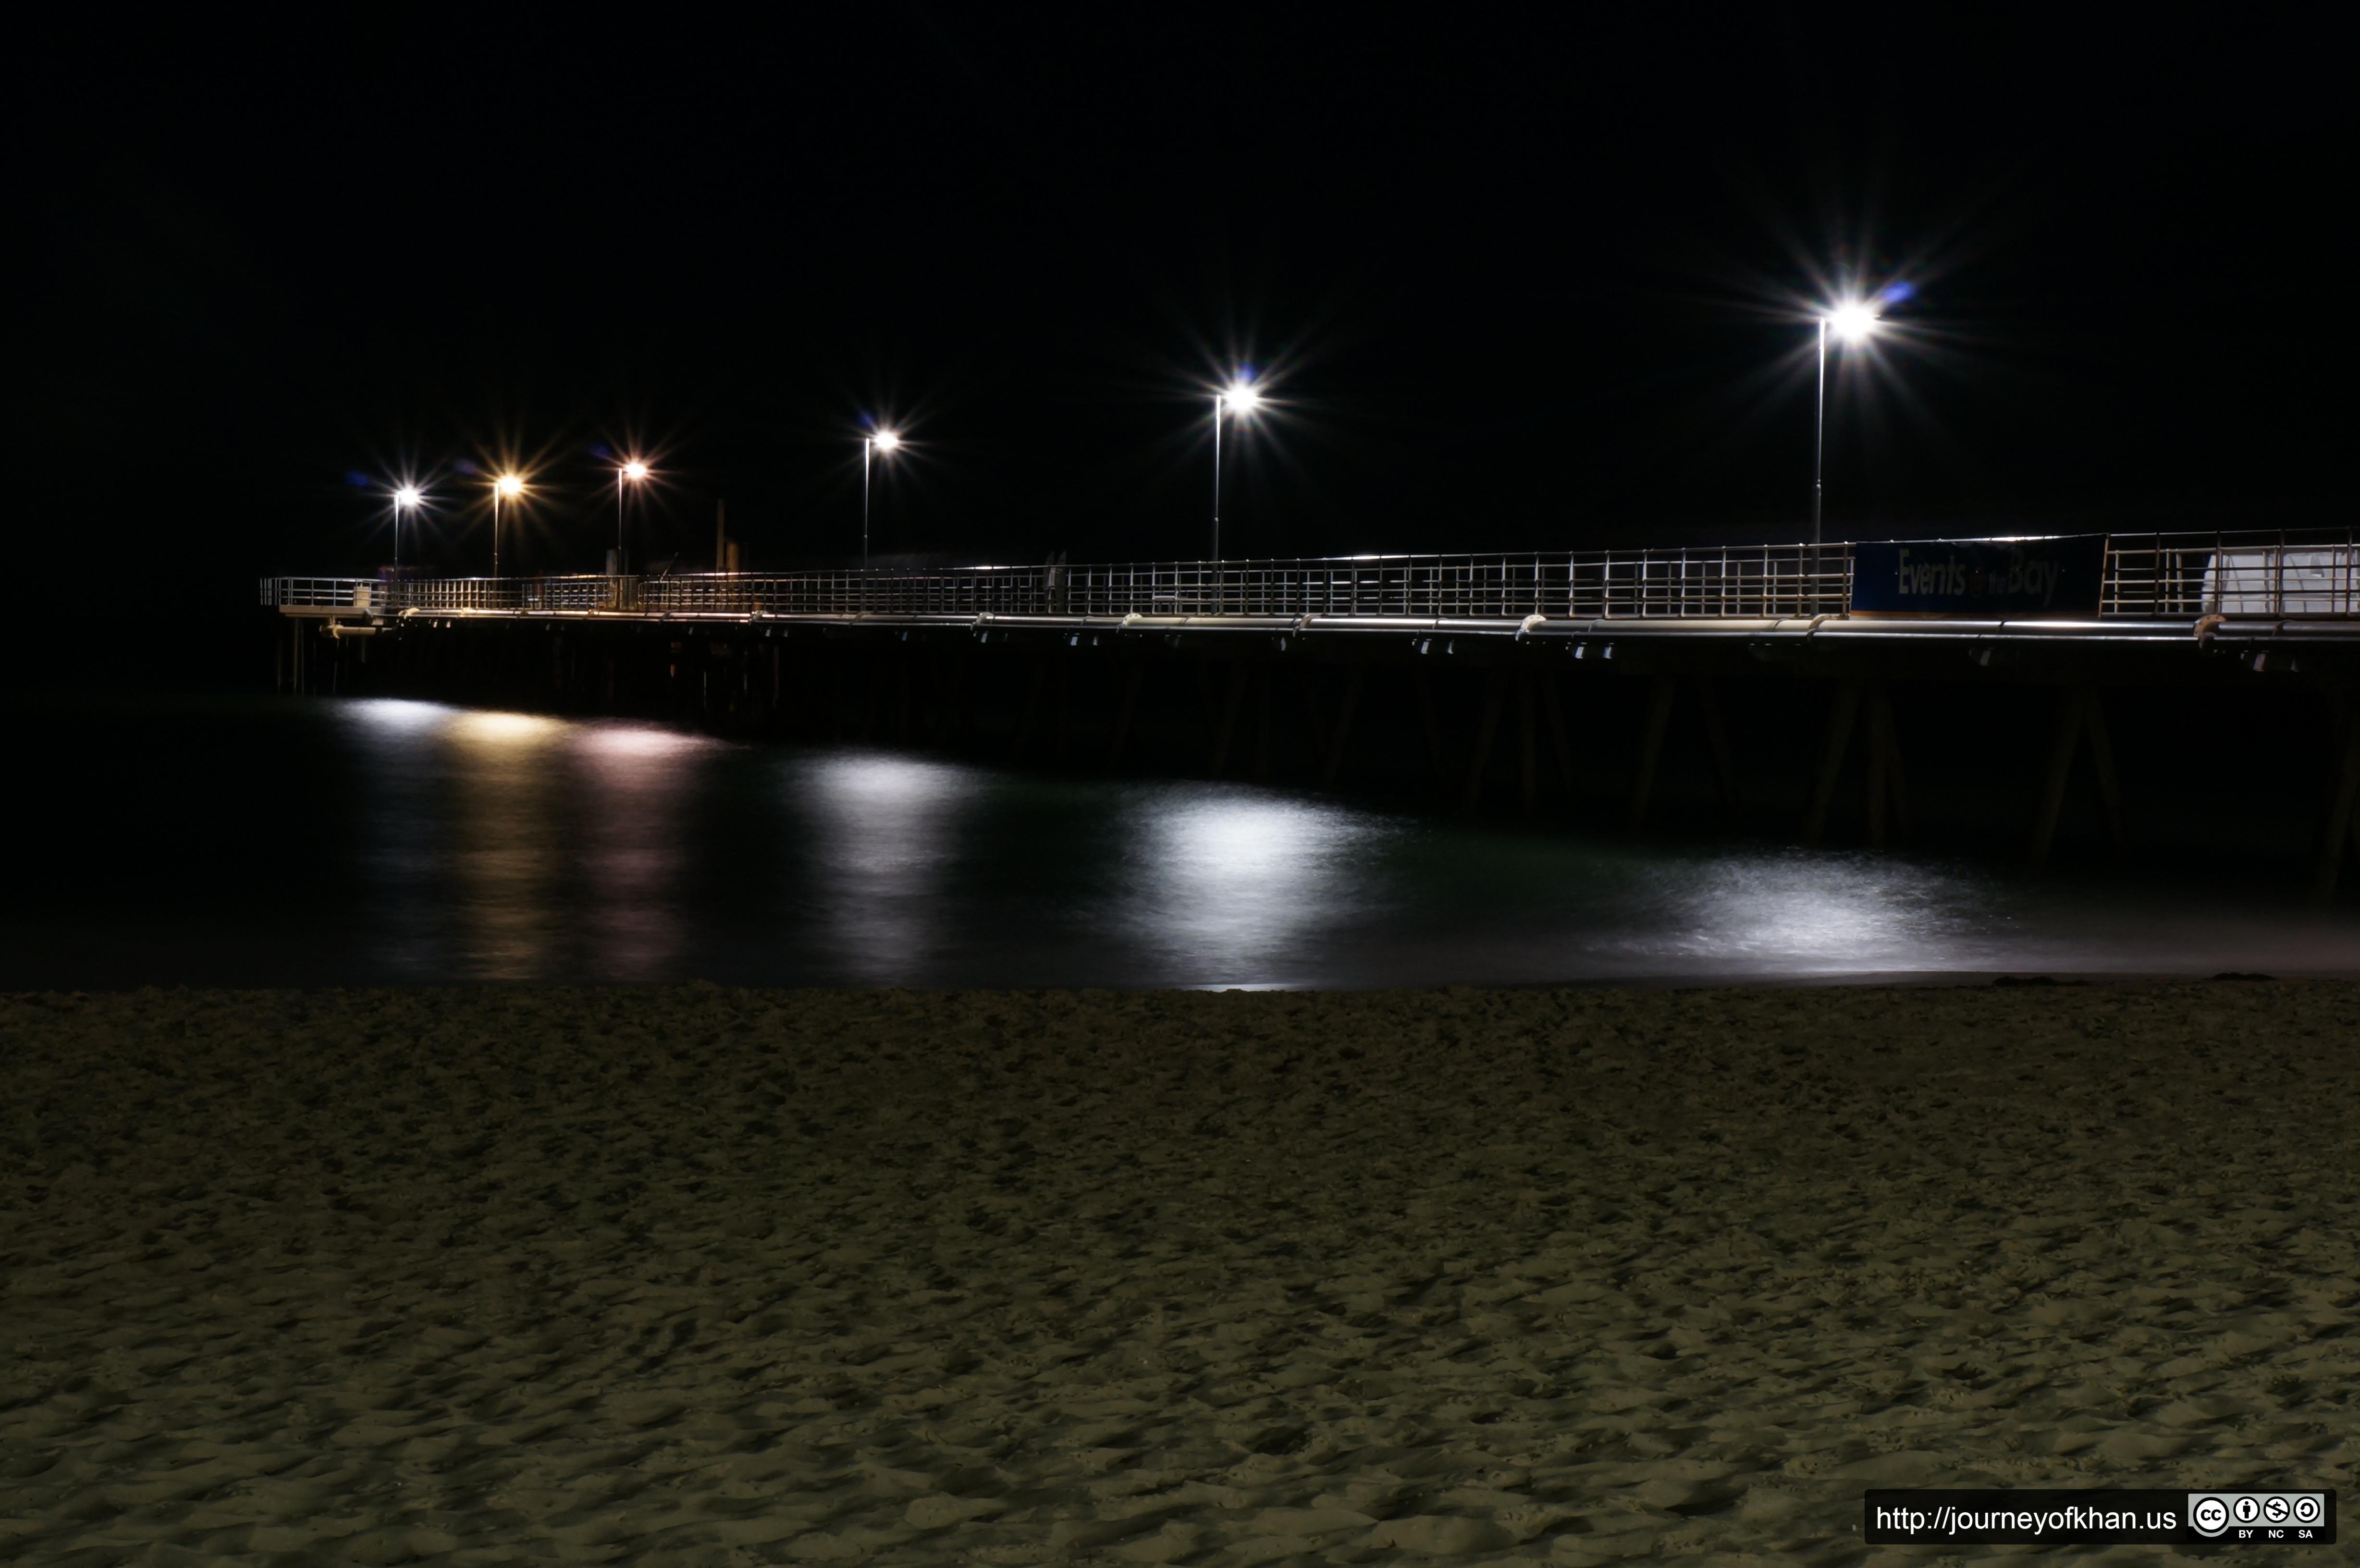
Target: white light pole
[636,471]
[1241,399]
[507,487]
[884,443]
[407,498]
[1851,322]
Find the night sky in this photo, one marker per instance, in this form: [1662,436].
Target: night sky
[1523,281]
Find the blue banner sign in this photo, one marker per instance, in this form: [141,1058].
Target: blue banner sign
[1983,580]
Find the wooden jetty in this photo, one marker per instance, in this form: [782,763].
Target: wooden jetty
[1793,688]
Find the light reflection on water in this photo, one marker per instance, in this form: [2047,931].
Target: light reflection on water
[636,783]
[1241,884]
[449,844]
[513,846]
[884,841]
[508,842]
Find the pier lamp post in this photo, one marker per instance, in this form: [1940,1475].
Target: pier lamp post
[407,498]
[1238,399]
[1849,321]
[883,444]
[635,471]
[507,487]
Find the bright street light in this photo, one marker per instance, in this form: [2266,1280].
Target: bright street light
[507,487]
[1849,322]
[1238,399]
[1853,323]
[882,443]
[636,472]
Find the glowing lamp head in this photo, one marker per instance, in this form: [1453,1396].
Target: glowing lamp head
[886,442]
[1853,322]
[1242,397]
[408,497]
[508,486]
[635,471]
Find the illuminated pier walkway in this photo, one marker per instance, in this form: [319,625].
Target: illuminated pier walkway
[2245,588]
[1484,644]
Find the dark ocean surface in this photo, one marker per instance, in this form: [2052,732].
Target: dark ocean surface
[299,842]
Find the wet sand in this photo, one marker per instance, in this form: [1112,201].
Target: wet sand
[712,1276]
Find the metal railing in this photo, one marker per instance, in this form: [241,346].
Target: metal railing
[2288,572]
[1762,580]
[2313,573]
[1775,580]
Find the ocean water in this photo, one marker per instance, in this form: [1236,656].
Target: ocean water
[277,842]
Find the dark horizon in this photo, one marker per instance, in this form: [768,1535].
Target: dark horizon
[1535,286]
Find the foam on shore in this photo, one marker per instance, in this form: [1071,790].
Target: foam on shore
[715,1277]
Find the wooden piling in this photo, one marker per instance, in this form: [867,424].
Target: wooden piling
[2102,763]
[1651,747]
[1840,718]
[1229,722]
[1422,685]
[2065,730]
[1495,696]
[1306,687]
[1884,734]
[1063,739]
[1527,770]
[1875,790]
[1124,709]
[1342,736]
[2340,825]
[1559,738]
[1716,738]
[949,671]
[1038,677]
[1265,677]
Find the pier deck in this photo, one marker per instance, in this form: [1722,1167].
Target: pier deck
[1180,666]
[2230,589]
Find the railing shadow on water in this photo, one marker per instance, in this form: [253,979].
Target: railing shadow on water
[2284,572]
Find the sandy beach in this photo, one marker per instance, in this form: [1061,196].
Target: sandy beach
[714,1277]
